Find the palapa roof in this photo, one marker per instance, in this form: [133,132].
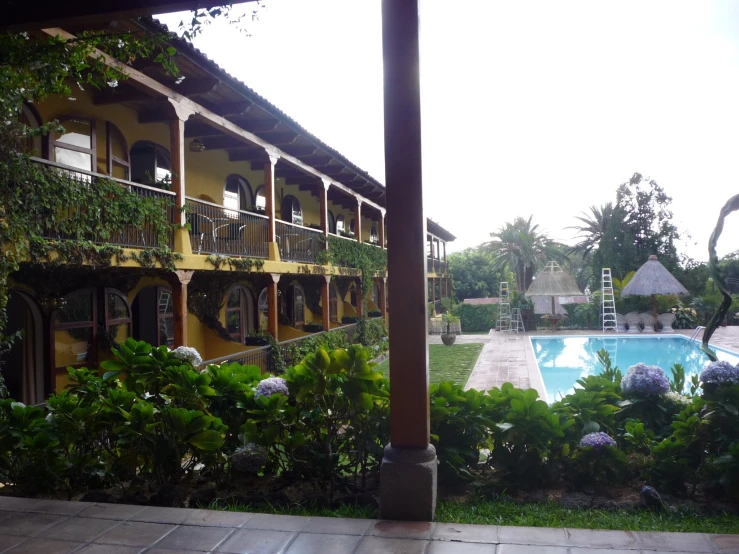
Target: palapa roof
[653,278]
[553,281]
[543,305]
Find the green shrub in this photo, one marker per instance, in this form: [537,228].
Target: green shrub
[477,318]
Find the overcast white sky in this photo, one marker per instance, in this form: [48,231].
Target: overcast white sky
[529,107]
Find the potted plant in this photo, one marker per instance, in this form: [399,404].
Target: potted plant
[448,338]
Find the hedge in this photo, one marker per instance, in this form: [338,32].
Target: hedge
[477,317]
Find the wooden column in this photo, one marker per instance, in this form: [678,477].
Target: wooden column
[179,281]
[433,292]
[358,219]
[381,230]
[323,207]
[444,243]
[360,297]
[177,151]
[269,193]
[326,303]
[382,281]
[273,310]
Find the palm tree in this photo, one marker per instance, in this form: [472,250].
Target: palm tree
[593,230]
[520,247]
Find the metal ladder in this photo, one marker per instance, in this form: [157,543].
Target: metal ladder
[516,321]
[504,308]
[608,311]
[697,332]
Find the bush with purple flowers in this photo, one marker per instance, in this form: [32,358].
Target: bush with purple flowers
[645,380]
[720,373]
[271,385]
[597,440]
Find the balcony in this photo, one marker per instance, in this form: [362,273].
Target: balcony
[298,243]
[436,266]
[139,234]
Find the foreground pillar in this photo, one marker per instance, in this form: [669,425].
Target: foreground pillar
[408,472]
[326,303]
[179,281]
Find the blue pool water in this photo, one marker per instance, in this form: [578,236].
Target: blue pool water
[564,360]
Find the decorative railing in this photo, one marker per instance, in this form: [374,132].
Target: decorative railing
[216,229]
[256,356]
[287,348]
[139,235]
[436,266]
[298,243]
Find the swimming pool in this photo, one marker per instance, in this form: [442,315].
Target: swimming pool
[564,360]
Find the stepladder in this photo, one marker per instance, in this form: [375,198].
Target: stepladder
[608,301]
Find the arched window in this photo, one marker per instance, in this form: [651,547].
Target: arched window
[376,294]
[32,144]
[351,227]
[74,328]
[153,316]
[237,193]
[374,236]
[339,224]
[263,306]
[331,223]
[117,315]
[119,164]
[75,147]
[333,301]
[239,314]
[260,200]
[151,164]
[291,210]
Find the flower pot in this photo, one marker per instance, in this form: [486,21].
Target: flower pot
[448,339]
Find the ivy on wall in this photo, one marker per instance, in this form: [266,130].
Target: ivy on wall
[352,255]
[245,265]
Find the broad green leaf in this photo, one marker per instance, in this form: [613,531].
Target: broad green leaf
[207,440]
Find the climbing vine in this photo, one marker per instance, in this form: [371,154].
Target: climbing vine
[235,264]
[349,254]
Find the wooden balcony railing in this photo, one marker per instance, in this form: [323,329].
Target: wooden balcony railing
[138,235]
[216,229]
[298,243]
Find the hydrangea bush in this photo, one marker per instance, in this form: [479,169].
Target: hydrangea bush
[272,385]
[645,380]
[597,440]
[720,373]
[188,354]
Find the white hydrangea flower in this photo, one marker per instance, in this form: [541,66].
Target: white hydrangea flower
[188,354]
[676,398]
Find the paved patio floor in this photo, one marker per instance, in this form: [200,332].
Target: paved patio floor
[56,527]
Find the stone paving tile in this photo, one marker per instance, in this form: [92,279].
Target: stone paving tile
[276,523]
[13,504]
[308,543]
[530,549]
[675,542]
[726,544]
[439,547]
[602,538]
[45,546]
[27,525]
[59,507]
[178,551]
[532,535]
[195,538]
[111,511]
[109,549]
[402,529]
[9,541]
[255,541]
[79,529]
[213,518]
[466,533]
[135,533]
[338,525]
[155,514]
[386,545]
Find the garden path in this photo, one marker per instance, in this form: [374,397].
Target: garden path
[56,527]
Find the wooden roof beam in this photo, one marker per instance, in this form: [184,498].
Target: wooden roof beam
[198,129]
[121,94]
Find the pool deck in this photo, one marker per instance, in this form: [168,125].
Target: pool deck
[509,357]
[29,526]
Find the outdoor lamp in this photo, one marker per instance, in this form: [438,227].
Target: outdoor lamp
[196,145]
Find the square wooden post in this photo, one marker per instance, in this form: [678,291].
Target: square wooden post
[323,207]
[408,473]
[326,303]
[381,230]
[269,196]
[179,281]
[358,219]
[273,310]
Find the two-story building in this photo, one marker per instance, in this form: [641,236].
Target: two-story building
[255,202]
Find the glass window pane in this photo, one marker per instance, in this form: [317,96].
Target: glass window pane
[297,212]
[165,302]
[71,346]
[234,299]
[118,146]
[233,322]
[76,132]
[74,308]
[261,202]
[166,331]
[117,308]
[340,224]
[119,332]
[298,306]
[80,160]
[263,309]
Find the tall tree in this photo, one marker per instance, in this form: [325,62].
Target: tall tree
[475,274]
[521,247]
[593,229]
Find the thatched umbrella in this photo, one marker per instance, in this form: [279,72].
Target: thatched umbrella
[653,279]
[552,281]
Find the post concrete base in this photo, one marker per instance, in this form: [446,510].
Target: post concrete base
[408,484]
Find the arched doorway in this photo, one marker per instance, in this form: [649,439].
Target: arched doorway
[23,367]
[153,316]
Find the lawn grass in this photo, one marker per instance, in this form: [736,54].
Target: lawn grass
[447,363]
[505,512]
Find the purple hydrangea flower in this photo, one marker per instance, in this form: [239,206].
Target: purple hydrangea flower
[271,385]
[597,440]
[645,380]
[720,373]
